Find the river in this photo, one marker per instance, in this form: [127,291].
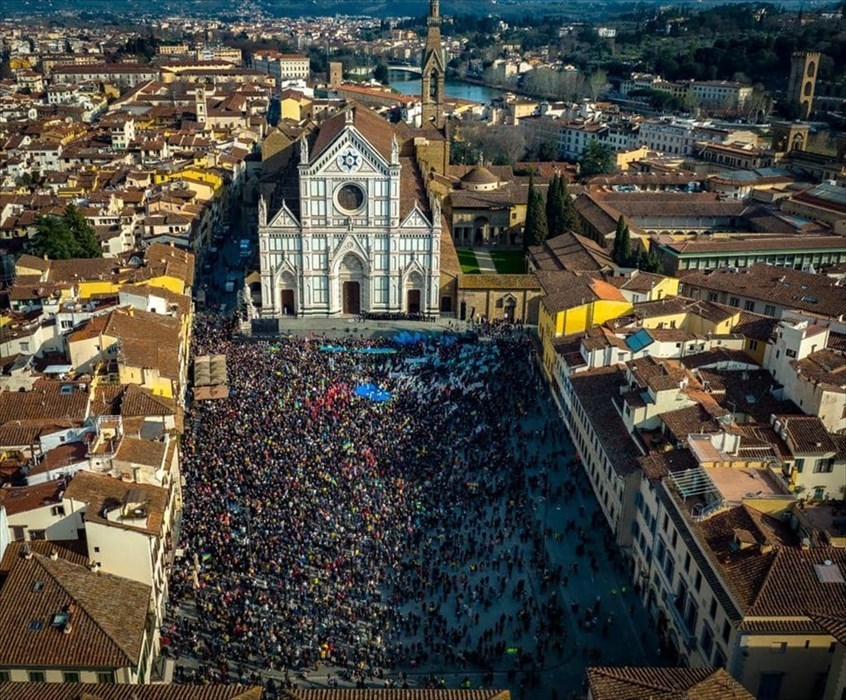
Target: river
[409,84]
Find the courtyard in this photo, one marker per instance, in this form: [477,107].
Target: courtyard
[491,260]
[431,530]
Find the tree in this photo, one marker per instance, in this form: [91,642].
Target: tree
[25,180]
[597,159]
[561,214]
[570,217]
[53,239]
[596,84]
[380,74]
[650,262]
[555,206]
[622,251]
[83,234]
[66,236]
[535,231]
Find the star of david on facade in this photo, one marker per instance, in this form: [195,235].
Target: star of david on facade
[349,161]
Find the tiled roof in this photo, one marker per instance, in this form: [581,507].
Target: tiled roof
[169,260]
[181,301]
[570,251]
[26,498]
[106,400]
[656,374]
[775,285]
[98,490]
[566,290]
[125,691]
[715,357]
[774,577]
[138,401]
[43,404]
[693,419]
[394,694]
[377,131]
[755,326]
[61,456]
[412,189]
[16,433]
[631,683]
[824,367]
[634,205]
[638,281]
[450,264]
[657,465]
[603,415]
[834,624]
[150,354]
[753,243]
[491,281]
[603,219]
[146,452]
[108,614]
[77,269]
[806,434]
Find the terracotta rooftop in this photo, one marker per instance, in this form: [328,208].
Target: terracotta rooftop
[753,244]
[774,577]
[566,290]
[107,614]
[775,285]
[119,691]
[100,492]
[573,252]
[394,694]
[806,435]
[609,426]
[376,130]
[144,452]
[48,402]
[492,281]
[825,368]
[653,683]
[26,498]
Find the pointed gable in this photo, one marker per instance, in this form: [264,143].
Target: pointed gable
[284,218]
[376,131]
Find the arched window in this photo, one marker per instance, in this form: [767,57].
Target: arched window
[809,87]
[812,69]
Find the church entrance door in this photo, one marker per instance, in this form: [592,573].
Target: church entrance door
[413,305]
[288,308]
[352,298]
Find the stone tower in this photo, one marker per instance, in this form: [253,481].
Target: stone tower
[336,74]
[434,70]
[200,106]
[803,78]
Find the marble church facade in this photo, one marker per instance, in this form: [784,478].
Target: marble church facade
[358,233]
[363,236]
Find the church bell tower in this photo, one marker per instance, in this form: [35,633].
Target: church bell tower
[434,70]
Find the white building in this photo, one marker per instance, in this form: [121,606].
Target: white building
[359,234]
[720,94]
[282,66]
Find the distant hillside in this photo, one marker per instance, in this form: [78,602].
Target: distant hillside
[569,9]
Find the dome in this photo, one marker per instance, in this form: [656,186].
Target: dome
[479,179]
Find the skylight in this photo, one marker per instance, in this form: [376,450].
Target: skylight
[829,573]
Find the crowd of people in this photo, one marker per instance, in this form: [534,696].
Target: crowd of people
[384,535]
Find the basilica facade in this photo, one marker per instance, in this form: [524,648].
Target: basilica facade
[349,227]
[359,235]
